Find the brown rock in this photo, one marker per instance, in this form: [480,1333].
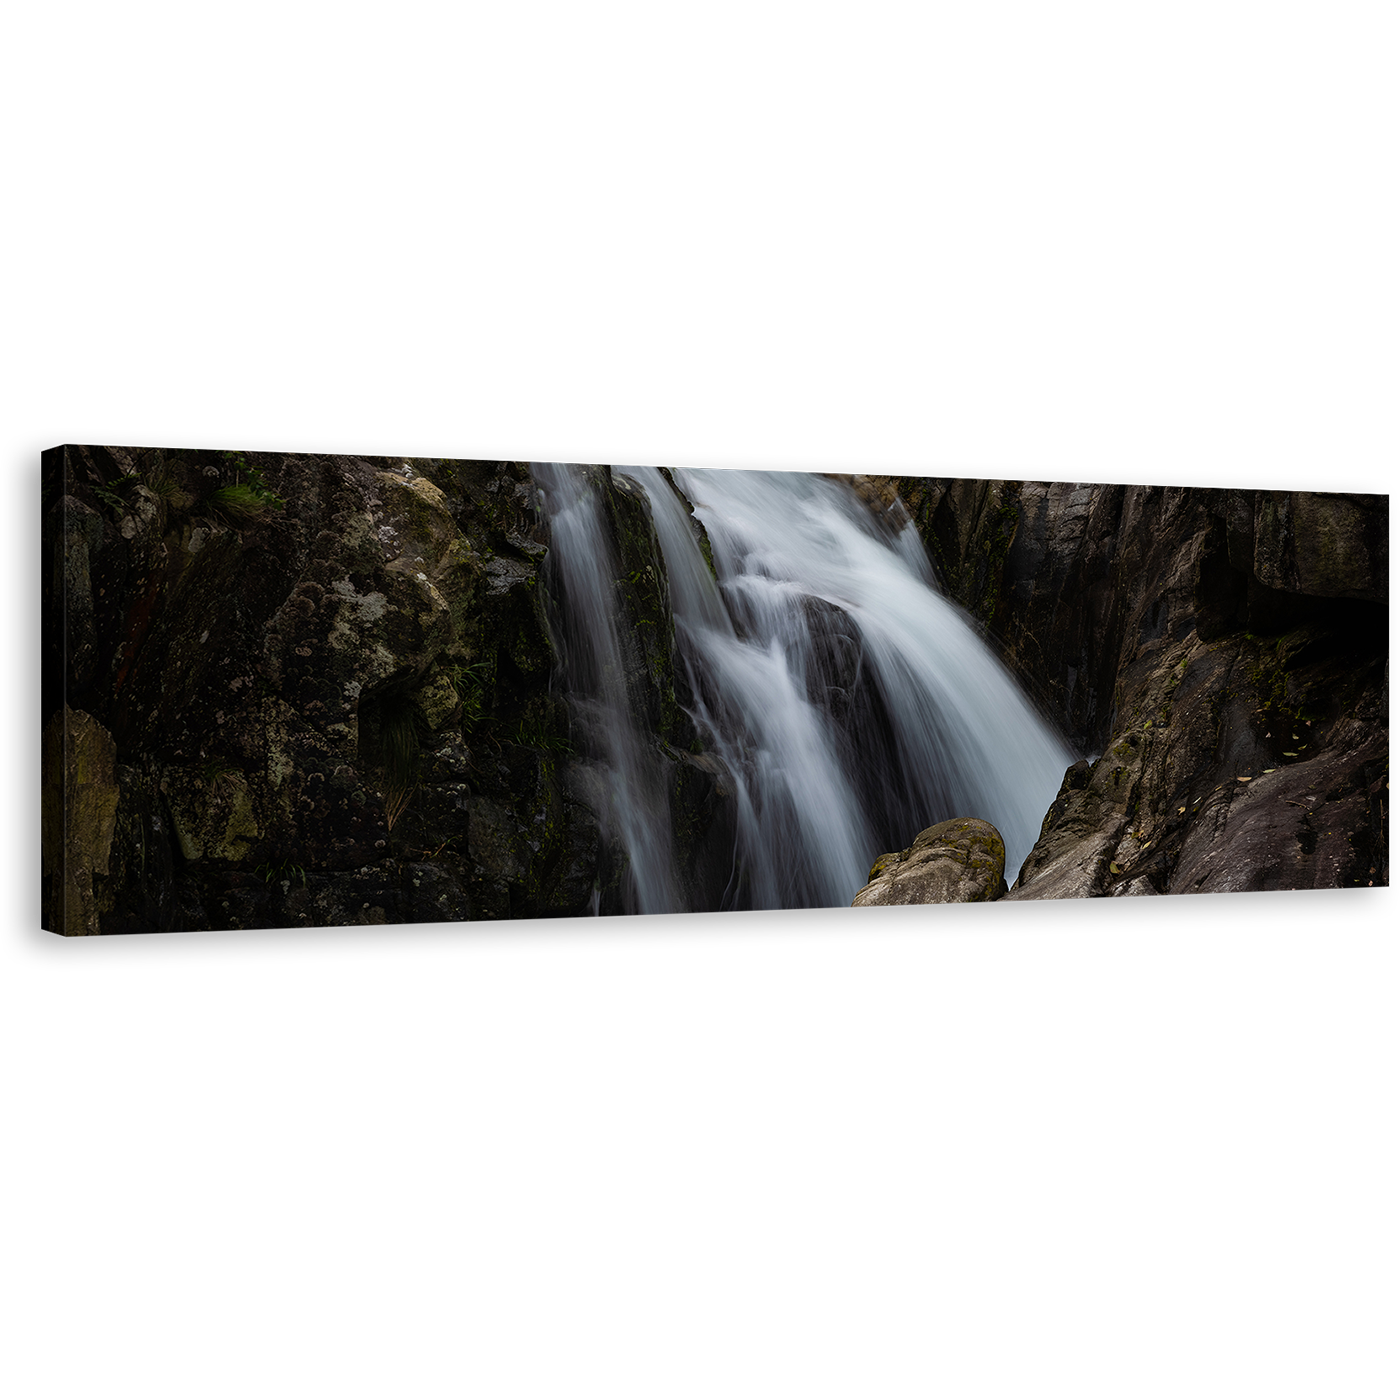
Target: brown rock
[79,817]
[956,862]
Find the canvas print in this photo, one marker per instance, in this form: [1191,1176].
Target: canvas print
[282,690]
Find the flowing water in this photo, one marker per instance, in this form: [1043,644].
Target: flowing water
[849,703]
[624,773]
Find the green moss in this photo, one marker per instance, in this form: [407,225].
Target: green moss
[707,551]
[644,594]
[883,863]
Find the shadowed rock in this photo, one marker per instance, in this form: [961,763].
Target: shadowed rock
[1220,656]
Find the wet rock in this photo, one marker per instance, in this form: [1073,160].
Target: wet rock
[833,656]
[704,823]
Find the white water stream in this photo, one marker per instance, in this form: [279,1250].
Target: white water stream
[851,704]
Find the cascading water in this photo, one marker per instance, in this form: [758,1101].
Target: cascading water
[849,703]
[622,771]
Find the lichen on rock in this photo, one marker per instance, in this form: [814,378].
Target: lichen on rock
[245,671]
[962,861]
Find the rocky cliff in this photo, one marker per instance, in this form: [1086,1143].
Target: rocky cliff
[285,690]
[1220,657]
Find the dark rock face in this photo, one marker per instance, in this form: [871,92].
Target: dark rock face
[699,799]
[81,796]
[289,690]
[1222,656]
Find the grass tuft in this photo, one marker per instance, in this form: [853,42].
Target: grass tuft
[242,505]
[392,723]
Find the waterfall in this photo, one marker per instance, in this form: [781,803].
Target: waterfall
[849,703]
[622,772]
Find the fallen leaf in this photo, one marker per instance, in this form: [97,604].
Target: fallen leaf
[1286,754]
[1115,867]
[1181,809]
[1271,770]
[1241,780]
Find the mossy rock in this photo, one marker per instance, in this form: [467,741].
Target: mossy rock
[960,861]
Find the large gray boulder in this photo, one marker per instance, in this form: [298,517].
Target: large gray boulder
[962,861]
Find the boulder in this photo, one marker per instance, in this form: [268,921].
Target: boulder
[962,861]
